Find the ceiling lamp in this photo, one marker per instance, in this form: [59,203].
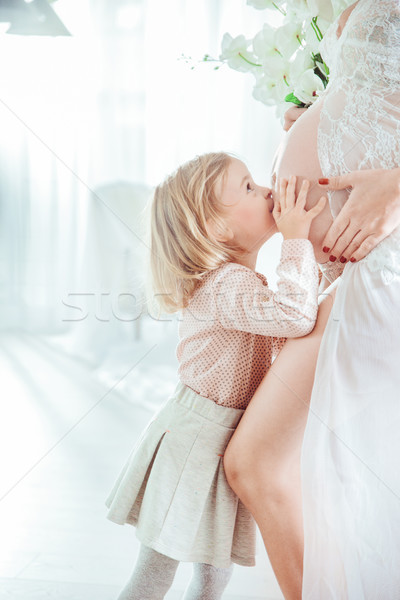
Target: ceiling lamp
[31,17]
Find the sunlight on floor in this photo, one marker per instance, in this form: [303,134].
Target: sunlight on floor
[66,436]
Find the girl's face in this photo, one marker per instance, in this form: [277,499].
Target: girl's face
[247,207]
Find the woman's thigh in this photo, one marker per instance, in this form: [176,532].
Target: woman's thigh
[272,426]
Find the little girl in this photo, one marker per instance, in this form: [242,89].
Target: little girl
[208,222]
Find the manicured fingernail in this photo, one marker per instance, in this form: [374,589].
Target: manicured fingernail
[332,258]
[352,259]
[325,249]
[343,259]
[323,181]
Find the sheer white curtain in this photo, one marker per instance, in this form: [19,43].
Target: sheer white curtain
[110,106]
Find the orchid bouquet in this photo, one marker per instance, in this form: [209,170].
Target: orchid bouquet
[286,60]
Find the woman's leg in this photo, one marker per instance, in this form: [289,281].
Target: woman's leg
[208,582]
[152,576]
[262,461]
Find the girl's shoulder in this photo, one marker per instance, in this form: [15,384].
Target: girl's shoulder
[229,277]
[227,283]
[235,274]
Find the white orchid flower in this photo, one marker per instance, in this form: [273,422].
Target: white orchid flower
[307,87]
[302,62]
[235,52]
[312,42]
[274,76]
[297,10]
[283,58]
[306,9]
[268,54]
[269,91]
[288,38]
[264,44]
[321,8]
[323,24]
[261,4]
[313,34]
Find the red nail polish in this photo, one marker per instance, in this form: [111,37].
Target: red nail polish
[332,258]
[323,181]
[352,259]
[343,259]
[325,249]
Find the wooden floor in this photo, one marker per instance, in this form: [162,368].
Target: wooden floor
[65,432]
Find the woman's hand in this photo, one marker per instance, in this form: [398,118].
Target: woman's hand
[291,218]
[370,214]
[291,116]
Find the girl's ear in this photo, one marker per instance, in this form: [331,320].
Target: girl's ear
[218,232]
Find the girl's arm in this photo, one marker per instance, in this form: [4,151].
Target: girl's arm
[244,303]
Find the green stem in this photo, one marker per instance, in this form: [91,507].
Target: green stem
[280,9]
[249,61]
[315,31]
[316,28]
[208,58]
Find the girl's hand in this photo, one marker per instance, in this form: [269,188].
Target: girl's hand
[291,116]
[291,218]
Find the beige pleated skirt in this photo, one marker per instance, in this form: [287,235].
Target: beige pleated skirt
[173,487]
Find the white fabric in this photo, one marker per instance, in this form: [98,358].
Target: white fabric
[174,490]
[111,105]
[360,118]
[351,451]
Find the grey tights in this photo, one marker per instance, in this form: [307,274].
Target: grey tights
[154,573]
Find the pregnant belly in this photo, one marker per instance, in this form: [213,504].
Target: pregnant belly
[298,152]
[298,155]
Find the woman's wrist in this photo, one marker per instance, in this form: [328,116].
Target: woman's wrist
[294,236]
[293,244]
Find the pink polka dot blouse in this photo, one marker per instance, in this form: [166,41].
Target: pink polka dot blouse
[234,325]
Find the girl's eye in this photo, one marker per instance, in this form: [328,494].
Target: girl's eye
[249,187]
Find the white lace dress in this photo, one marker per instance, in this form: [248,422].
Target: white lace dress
[351,451]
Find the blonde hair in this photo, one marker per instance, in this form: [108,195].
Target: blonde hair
[182,250]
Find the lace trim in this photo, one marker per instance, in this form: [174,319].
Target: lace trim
[331,270]
[360,117]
